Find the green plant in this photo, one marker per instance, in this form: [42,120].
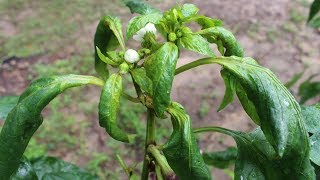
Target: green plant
[278,149]
[314,18]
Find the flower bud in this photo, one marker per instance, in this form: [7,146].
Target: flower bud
[124,68]
[172,37]
[131,56]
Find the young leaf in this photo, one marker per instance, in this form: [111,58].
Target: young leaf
[25,118]
[114,23]
[314,9]
[230,83]
[197,43]
[140,7]
[311,117]
[104,58]
[6,104]
[221,159]
[206,22]
[139,22]
[140,77]
[105,40]
[160,68]
[189,10]
[181,150]
[109,106]
[257,159]
[231,44]
[53,168]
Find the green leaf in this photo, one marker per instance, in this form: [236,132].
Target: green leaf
[230,89]
[140,77]
[314,9]
[25,171]
[308,89]
[315,148]
[25,118]
[139,22]
[160,68]
[140,7]
[197,43]
[247,104]
[257,159]
[315,22]
[206,22]
[279,113]
[53,168]
[221,159]
[230,43]
[6,104]
[311,118]
[181,150]
[189,10]
[108,36]
[104,58]
[109,107]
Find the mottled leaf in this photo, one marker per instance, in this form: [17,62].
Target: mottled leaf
[189,10]
[54,169]
[160,68]
[197,43]
[25,118]
[257,159]
[315,148]
[25,171]
[6,105]
[109,107]
[221,159]
[140,7]
[311,118]
[140,77]
[206,22]
[139,22]
[181,150]
[230,43]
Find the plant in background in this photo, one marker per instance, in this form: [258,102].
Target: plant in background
[278,149]
[314,17]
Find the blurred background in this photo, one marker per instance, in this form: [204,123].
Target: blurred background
[44,37]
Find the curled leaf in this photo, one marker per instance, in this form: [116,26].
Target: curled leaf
[109,106]
[181,150]
[25,118]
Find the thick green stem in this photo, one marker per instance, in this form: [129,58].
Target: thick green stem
[150,139]
[162,162]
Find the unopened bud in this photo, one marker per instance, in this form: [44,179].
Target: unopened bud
[131,56]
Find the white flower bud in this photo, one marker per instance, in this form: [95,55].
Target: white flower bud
[148,28]
[131,56]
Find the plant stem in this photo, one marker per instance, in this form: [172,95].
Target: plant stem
[161,161]
[123,165]
[194,64]
[150,139]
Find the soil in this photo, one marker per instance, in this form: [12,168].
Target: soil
[259,25]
